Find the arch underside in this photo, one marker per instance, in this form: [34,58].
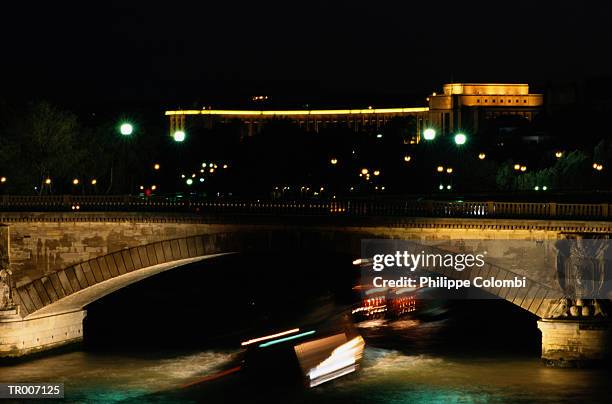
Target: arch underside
[76,286]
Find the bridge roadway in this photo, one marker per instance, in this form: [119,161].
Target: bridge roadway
[66,252]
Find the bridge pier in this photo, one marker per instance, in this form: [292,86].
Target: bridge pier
[575,342]
[20,337]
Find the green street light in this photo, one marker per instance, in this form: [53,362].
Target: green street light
[460,139]
[126,129]
[179,136]
[429,134]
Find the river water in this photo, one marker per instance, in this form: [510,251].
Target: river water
[468,352]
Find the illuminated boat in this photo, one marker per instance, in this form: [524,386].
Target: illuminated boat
[312,356]
[390,303]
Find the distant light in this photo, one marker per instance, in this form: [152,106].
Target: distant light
[379,136]
[517,167]
[179,136]
[559,154]
[449,170]
[141,187]
[94,181]
[357,261]
[212,170]
[193,175]
[156,166]
[523,168]
[429,134]
[364,171]
[225,165]
[126,129]
[441,186]
[595,166]
[482,156]
[189,181]
[434,94]
[153,187]
[460,139]
[544,188]
[48,181]
[75,181]
[407,158]
[448,187]
[599,167]
[377,172]
[334,161]
[182,175]
[2,179]
[536,188]
[204,165]
[440,169]
[201,179]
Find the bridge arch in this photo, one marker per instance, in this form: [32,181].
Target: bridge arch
[74,287]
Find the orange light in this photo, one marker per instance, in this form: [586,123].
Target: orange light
[517,167]
[523,168]
[449,170]
[280,334]
[75,181]
[558,154]
[156,166]
[364,171]
[377,172]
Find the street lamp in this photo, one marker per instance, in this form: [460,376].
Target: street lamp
[334,161]
[482,156]
[407,158]
[440,169]
[460,139]
[156,166]
[523,168]
[558,154]
[179,136]
[3,179]
[126,129]
[75,181]
[449,170]
[429,134]
[517,167]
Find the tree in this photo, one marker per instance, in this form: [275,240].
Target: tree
[40,142]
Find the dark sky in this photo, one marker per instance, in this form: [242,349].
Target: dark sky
[182,53]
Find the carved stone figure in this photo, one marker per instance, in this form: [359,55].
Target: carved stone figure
[6,301]
[581,272]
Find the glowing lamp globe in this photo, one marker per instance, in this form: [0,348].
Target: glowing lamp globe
[126,129]
[429,134]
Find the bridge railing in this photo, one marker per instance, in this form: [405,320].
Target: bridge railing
[337,207]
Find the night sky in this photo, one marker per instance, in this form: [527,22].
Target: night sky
[194,53]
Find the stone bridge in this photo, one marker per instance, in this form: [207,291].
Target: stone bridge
[62,261]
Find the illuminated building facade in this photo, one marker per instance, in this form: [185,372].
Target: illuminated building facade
[358,120]
[461,107]
[464,106]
